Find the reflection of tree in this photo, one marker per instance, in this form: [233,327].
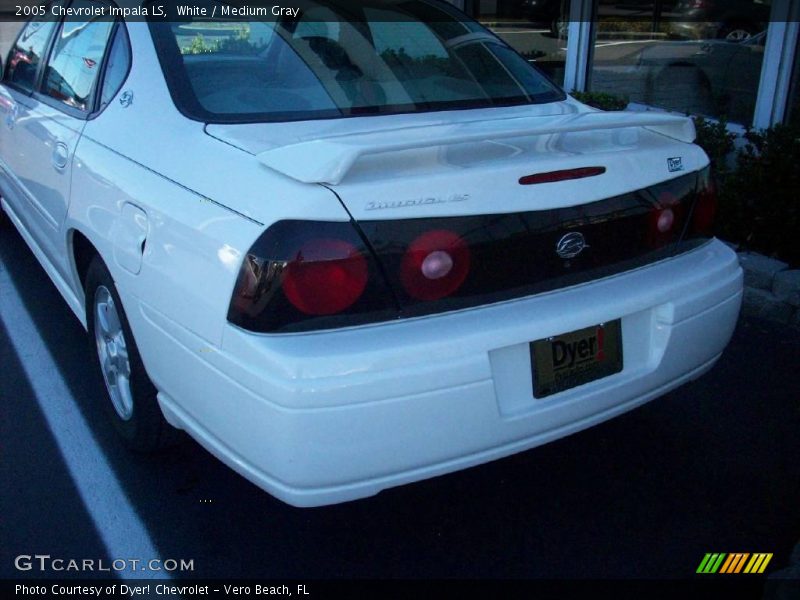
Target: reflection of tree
[199,45]
[633,29]
[235,44]
[422,66]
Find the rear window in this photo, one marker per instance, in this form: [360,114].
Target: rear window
[340,58]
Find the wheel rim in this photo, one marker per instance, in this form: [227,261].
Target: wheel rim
[112,350]
[737,35]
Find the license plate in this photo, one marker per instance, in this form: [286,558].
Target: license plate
[564,361]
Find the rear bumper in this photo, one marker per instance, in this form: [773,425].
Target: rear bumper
[332,416]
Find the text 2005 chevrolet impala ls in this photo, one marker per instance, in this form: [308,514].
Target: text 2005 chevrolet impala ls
[358,247]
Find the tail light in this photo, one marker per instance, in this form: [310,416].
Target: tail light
[705,207]
[302,275]
[309,274]
[325,277]
[435,265]
[666,220]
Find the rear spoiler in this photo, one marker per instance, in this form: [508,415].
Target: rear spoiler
[328,160]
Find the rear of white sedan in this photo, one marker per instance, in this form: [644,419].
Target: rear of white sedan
[413,253]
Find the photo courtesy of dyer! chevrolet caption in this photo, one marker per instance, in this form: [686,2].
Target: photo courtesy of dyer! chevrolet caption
[356,247]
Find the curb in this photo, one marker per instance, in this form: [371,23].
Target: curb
[771,289]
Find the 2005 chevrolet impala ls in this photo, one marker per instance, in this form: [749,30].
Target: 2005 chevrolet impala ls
[358,247]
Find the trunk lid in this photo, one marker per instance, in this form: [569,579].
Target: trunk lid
[471,162]
[447,220]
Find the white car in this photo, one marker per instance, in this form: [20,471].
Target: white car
[359,246]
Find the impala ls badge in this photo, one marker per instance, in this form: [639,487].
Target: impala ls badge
[571,245]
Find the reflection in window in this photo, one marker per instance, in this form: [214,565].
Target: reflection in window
[224,37]
[25,56]
[793,106]
[76,60]
[119,61]
[662,55]
[537,29]
[345,59]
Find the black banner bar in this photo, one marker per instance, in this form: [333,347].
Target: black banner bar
[706,587]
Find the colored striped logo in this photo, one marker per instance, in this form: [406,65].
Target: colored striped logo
[736,562]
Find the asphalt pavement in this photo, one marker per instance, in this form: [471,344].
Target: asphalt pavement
[711,467]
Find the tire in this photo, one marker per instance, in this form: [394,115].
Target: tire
[130,400]
[736,32]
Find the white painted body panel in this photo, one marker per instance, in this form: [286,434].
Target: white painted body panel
[172,206]
[33,133]
[333,416]
[179,150]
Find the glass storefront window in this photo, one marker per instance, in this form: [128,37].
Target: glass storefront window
[537,29]
[682,55]
[793,104]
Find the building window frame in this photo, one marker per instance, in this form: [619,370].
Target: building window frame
[776,71]
[580,38]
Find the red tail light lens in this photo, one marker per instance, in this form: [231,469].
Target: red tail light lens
[306,275]
[705,208]
[435,265]
[325,277]
[302,275]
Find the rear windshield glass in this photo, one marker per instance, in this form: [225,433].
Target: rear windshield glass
[341,58]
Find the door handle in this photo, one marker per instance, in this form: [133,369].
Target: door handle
[60,156]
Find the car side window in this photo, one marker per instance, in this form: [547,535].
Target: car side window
[117,66]
[27,52]
[74,66]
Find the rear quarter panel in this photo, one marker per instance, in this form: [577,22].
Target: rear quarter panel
[192,250]
[205,201]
